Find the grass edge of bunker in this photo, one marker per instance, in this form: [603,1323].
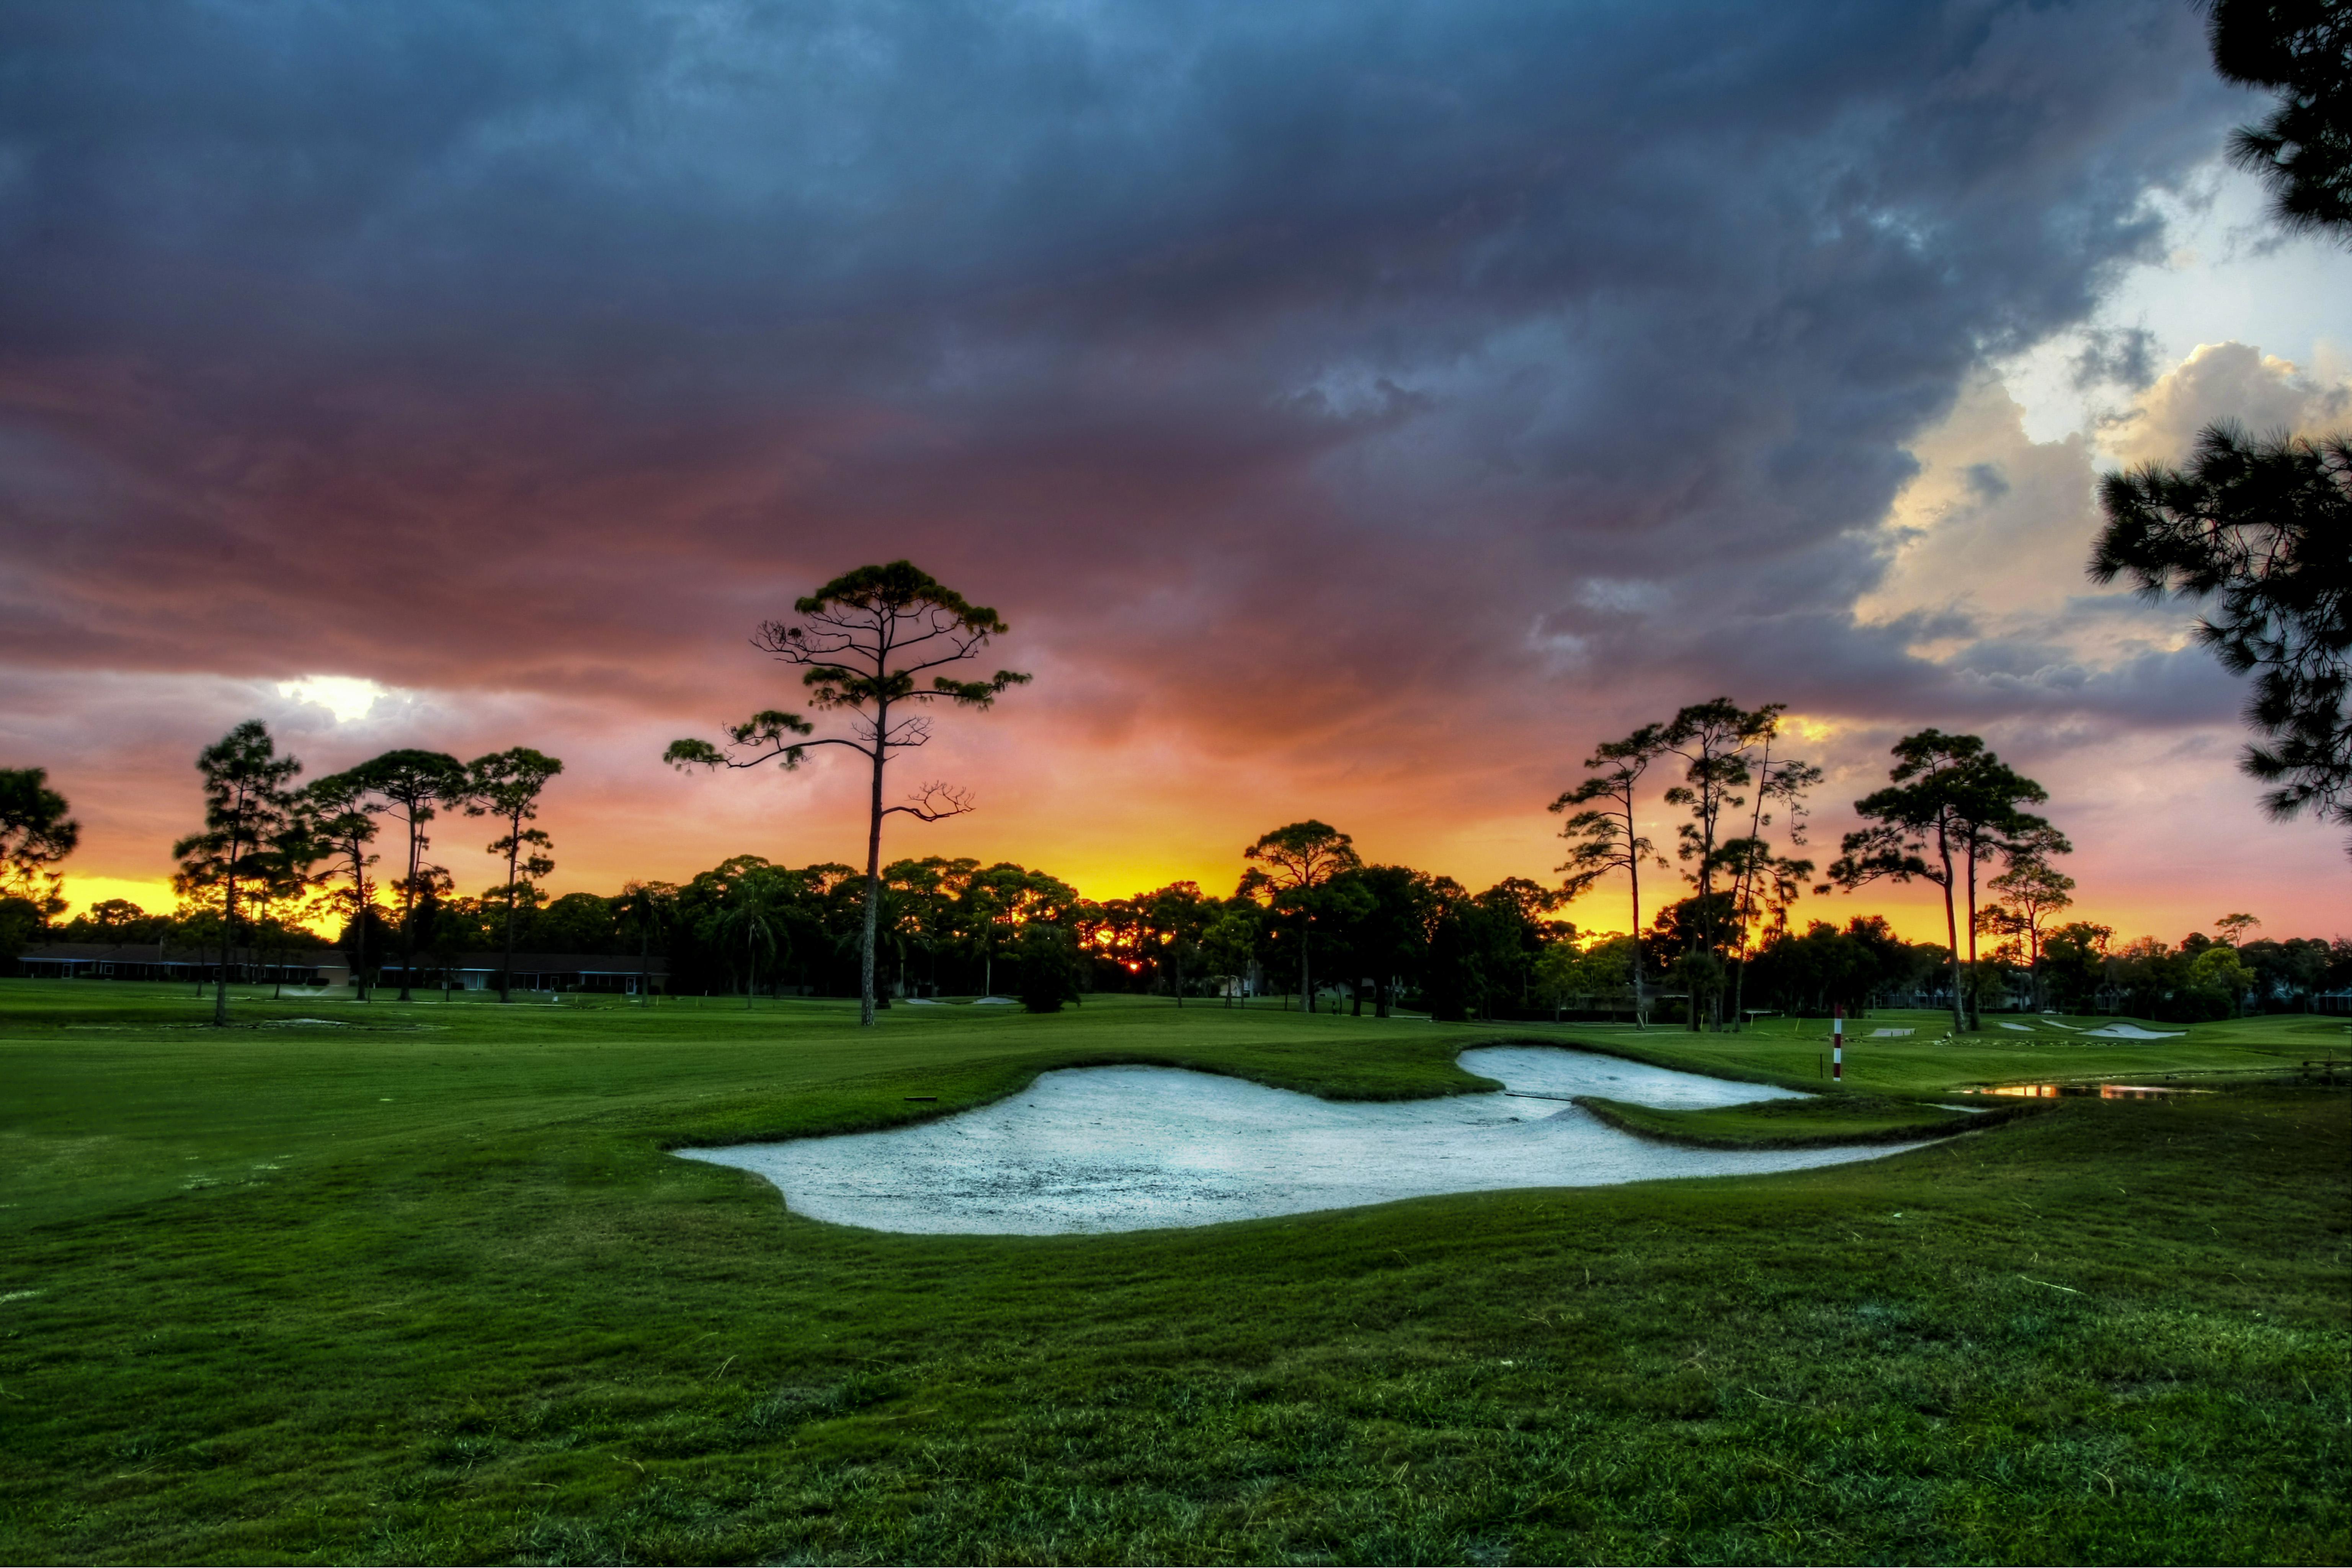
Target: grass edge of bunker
[440,1294]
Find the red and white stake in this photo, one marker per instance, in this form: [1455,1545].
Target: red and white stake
[1837,1045]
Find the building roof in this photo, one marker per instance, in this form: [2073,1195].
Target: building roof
[145,953]
[540,963]
[524,962]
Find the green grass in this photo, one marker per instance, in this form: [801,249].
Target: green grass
[1925,1062]
[427,1287]
[1831,1119]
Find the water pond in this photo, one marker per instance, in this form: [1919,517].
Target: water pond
[1142,1148]
[2070,1090]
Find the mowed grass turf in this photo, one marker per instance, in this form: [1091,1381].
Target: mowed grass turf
[1823,1122]
[428,1286]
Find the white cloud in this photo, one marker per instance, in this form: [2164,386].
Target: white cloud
[1995,526]
[2228,275]
[2222,381]
[1987,540]
[348,698]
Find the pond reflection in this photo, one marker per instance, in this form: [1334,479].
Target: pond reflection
[2084,1090]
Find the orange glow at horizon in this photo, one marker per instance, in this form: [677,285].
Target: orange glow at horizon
[1916,915]
[1117,812]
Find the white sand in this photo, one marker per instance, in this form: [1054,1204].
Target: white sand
[1135,1148]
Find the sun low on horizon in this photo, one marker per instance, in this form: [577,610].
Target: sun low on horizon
[1375,479]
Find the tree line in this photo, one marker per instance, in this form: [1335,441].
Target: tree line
[748,928]
[877,646]
[1309,919]
[274,859]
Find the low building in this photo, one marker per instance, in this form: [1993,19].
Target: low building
[619,974]
[326,968]
[308,967]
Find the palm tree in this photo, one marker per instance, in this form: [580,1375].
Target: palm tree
[648,905]
[751,915]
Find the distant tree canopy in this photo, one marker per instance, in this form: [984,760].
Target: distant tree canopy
[34,834]
[1821,967]
[1605,837]
[506,786]
[748,928]
[1951,808]
[1294,872]
[413,787]
[1732,787]
[252,875]
[336,809]
[1309,921]
[251,830]
[869,643]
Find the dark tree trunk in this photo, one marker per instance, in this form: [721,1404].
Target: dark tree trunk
[359,922]
[1633,877]
[506,962]
[1976,1022]
[1952,934]
[408,909]
[873,875]
[1305,979]
[228,936]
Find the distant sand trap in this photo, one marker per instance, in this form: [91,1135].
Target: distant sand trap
[1887,1033]
[1141,1148]
[2019,1028]
[2133,1031]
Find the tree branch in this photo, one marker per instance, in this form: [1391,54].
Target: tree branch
[936,803]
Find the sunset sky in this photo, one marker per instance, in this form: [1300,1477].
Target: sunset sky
[1356,410]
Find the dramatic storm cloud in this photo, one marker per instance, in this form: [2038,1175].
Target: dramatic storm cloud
[1357,410]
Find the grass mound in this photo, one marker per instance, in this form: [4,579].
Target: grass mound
[1807,1123]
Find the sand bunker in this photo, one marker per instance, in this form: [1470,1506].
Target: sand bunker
[1888,1033]
[2131,1032]
[1138,1148]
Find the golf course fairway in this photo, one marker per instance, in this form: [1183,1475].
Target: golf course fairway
[425,1283]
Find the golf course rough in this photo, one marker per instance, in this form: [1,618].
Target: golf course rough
[431,1286]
